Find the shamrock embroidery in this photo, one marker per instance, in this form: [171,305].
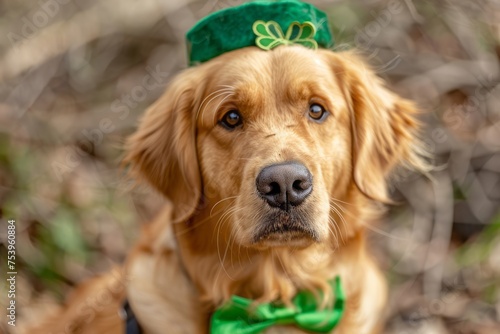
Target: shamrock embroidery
[270,35]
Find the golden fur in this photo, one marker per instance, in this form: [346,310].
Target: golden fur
[200,250]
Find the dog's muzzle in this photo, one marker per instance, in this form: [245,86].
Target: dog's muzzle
[285,187]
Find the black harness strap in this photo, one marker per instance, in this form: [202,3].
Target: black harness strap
[131,325]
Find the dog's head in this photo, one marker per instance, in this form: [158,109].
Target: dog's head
[279,136]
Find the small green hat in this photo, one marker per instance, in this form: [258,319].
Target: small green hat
[265,24]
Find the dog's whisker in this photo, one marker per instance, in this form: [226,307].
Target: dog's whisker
[341,211]
[219,202]
[224,218]
[344,209]
[232,241]
[199,223]
[212,96]
[208,97]
[338,200]
[341,216]
[331,225]
[216,92]
[192,227]
[370,227]
[206,219]
[228,86]
[217,107]
[338,231]
[248,255]
[342,219]
[221,260]
[232,238]
[225,214]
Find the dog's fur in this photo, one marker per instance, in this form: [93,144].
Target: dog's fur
[202,248]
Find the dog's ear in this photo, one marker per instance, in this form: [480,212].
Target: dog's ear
[384,126]
[163,149]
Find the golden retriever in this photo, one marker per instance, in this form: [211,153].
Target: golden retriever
[273,163]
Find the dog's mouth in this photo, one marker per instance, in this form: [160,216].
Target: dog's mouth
[285,229]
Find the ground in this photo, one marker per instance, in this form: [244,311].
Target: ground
[75,75]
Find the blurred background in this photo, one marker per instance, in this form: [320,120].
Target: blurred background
[75,75]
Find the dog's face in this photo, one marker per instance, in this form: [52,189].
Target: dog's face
[279,135]
[273,132]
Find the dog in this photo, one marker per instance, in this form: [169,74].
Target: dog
[273,163]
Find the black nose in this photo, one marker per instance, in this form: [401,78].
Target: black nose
[284,185]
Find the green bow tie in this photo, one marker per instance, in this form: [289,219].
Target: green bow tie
[241,316]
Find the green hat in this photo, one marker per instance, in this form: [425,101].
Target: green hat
[265,24]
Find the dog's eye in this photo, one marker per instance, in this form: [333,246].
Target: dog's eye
[317,112]
[231,120]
